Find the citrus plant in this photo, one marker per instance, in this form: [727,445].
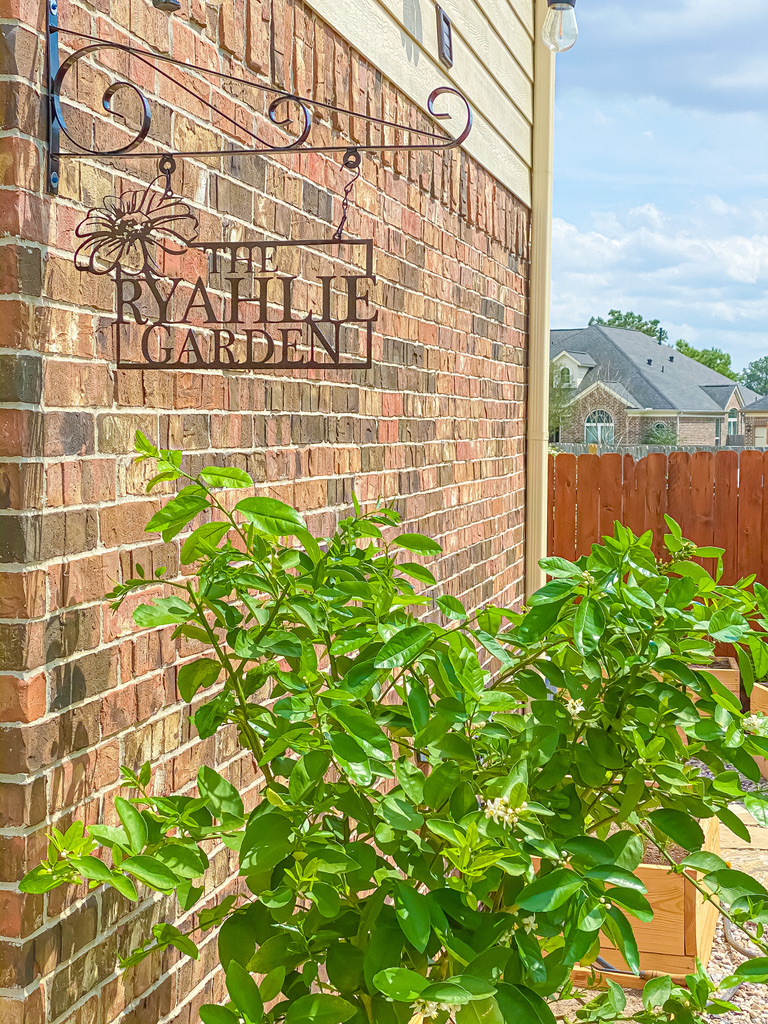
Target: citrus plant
[453,804]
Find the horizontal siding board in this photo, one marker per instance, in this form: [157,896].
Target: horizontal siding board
[501,142]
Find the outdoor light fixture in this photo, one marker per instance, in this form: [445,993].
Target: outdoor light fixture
[560,29]
[167,6]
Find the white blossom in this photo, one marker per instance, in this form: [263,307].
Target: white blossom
[424,1010]
[756,724]
[573,707]
[529,924]
[502,812]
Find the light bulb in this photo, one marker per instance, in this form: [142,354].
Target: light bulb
[560,29]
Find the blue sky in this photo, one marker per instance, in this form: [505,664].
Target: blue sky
[661,170]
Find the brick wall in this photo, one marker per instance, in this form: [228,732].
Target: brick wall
[751,423]
[603,399]
[437,427]
[699,430]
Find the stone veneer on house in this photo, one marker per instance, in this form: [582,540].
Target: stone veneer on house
[436,427]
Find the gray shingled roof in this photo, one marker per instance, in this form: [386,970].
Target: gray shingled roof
[669,381]
[761,405]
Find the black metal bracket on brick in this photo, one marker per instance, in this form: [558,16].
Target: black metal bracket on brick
[286,111]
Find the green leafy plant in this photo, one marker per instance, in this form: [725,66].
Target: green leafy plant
[661,434]
[454,804]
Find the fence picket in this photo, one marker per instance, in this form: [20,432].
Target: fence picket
[750,512]
[717,497]
[610,475]
[702,523]
[726,512]
[565,506]
[587,503]
[679,485]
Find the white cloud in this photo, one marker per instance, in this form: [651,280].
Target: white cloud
[711,291]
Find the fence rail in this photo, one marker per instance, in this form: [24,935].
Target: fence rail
[717,497]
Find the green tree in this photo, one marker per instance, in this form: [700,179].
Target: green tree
[561,392]
[755,377]
[631,322]
[454,806]
[714,358]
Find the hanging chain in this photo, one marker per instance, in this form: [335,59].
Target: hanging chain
[351,161]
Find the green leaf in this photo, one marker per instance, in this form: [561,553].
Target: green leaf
[656,992]
[755,972]
[412,909]
[271,517]
[244,992]
[197,675]
[151,872]
[550,891]
[588,625]
[222,798]
[417,572]
[319,1008]
[184,859]
[166,611]
[178,512]
[364,730]
[680,827]
[210,1014]
[203,541]
[272,984]
[616,876]
[216,476]
[733,885]
[522,1006]
[403,647]
[480,1011]
[92,868]
[402,985]
[757,805]
[728,626]
[734,823]
[133,823]
[451,607]
[124,886]
[41,879]
[419,544]
[619,930]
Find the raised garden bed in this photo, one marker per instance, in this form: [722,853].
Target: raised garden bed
[682,930]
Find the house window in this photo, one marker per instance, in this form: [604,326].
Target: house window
[598,428]
[733,422]
[565,377]
[718,432]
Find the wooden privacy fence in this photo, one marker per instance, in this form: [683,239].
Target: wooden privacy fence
[717,497]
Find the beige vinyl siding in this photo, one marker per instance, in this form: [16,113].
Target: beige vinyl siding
[492,66]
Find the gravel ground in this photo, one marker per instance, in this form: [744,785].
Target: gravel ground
[752,1000]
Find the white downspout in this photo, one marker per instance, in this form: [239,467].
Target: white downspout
[537,499]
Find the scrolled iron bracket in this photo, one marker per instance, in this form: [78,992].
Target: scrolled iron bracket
[285,110]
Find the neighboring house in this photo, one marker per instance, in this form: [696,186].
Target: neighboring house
[625,383]
[756,423]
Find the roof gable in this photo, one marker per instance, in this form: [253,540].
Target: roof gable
[655,376]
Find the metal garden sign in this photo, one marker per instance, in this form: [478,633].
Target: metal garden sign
[188,302]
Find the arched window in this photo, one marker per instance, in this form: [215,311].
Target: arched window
[733,422]
[598,428]
[565,377]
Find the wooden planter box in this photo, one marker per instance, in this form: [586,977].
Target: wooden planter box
[683,927]
[758,702]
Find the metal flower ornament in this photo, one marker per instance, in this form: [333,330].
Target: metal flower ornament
[128,231]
